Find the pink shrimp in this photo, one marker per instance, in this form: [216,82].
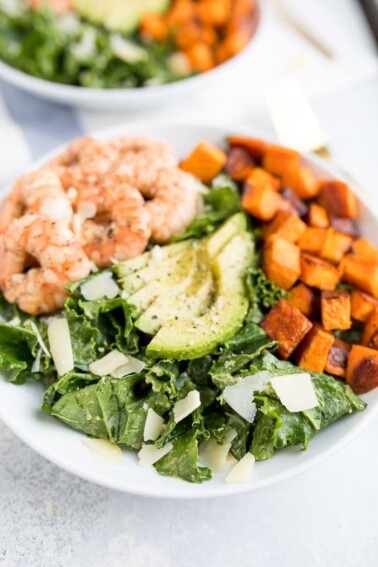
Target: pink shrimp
[58,6]
[123,228]
[39,192]
[59,257]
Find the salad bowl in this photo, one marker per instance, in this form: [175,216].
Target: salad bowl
[20,405]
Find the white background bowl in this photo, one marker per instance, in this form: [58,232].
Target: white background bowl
[20,405]
[117,99]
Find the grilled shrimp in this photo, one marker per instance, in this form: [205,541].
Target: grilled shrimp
[60,259]
[122,229]
[39,192]
[172,200]
[58,6]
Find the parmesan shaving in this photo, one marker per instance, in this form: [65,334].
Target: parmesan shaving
[60,343]
[104,452]
[185,407]
[295,391]
[108,363]
[133,365]
[242,470]
[40,340]
[150,454]
[153,427]
[37,362]
[100,286]
[215,455]
[240,396]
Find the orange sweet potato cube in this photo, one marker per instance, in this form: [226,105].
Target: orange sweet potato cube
[316,272]
[312,353]
[286,225]
[312,240]
[205,162]
[305,299]
[254,146]
[363,247]
[338,358]
[239,163]
[361,272]
[362,369]
[258,177]
[281,261]
[317,216]
[362,305]
[279,161]
[337,198]
[302,181]
[370,334]
[286,325]
[335,307]
[261,202]
[335,246]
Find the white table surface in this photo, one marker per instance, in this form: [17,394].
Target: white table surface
[325,518]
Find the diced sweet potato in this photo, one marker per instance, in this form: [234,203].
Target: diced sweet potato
[279,161]
[363,247]
[312,240]
[338,358]
[258,177]
[213,12]
[286,325]
[302,181]
[154,26]
[344,225]
[296,205]
[281,261]
[316,272]
[337,198]
[361,272]
[205,162]
[336,245]
[286,225]
[370,334]
[317,216]
[362,369]
[312,353]
[239,163]
[362,305]
[305,300]
[262,203]
[201,59]
[254,146]
[335,306]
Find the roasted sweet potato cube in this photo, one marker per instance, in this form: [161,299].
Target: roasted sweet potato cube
[335,246]
[295,204]
[305,299]
[362,369]
[254,146]
[279,161]
[312,353]
[317,216]
[286,325]
[361,272]
[262,203]
[316,272]
[286,225]
[281,261]
[338,358]
[239,163]
[205,162]
[258,177]
[302,181]
[363,247]
[312,240]
[335,306]
[337,198]
[370,334]
[362,305]
[344,225]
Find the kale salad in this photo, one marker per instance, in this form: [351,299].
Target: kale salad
[193,399]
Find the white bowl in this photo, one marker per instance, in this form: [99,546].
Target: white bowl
[20,405]
[117,99]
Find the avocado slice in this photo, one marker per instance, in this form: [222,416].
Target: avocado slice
[175,279]
[128,267]
[235,224]
[118,15]
[193,301]
[188,339]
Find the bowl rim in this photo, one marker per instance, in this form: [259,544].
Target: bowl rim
[211,490]
[44,87]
